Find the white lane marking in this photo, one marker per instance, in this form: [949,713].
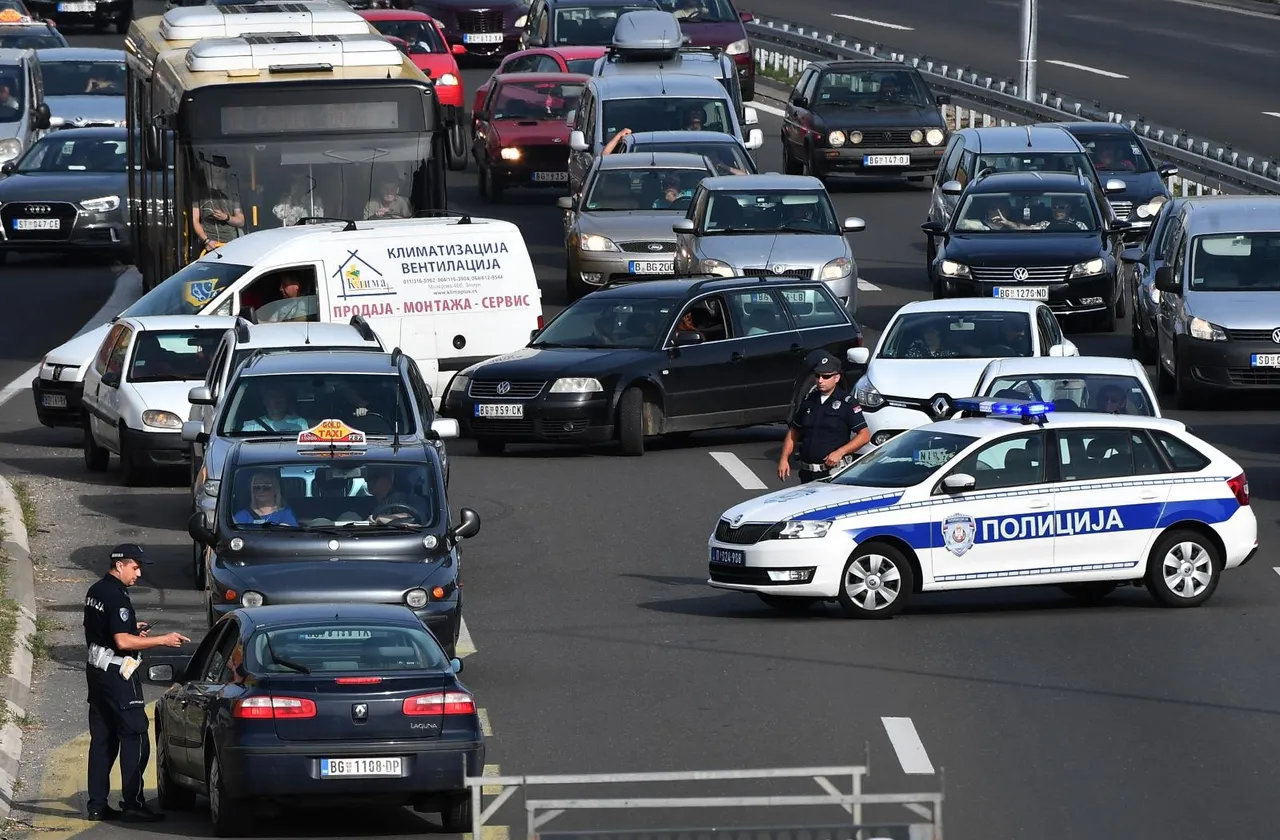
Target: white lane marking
[906,743]
[465,647]
[485,726]
[1087,69]
[741,472]
[1221,7]
[1276,569]
[20,384]
[1271,113]
[768,109]
[864,286]
[871,22]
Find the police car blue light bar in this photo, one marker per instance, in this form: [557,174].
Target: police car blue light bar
[1004,408]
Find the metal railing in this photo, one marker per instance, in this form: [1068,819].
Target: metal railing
[979,98]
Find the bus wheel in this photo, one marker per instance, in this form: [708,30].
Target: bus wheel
[457,147]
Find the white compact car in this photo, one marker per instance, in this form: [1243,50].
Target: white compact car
[135,391]
[935,348]
[1087,502]
[1074,383]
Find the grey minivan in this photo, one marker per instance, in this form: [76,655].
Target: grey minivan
[1218,323]
[24,115]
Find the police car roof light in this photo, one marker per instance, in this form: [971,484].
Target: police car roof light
[1023,409]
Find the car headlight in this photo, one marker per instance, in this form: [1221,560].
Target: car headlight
[596,242]
[798,529]
[855,137]
[510,153]
[429,542]
[10,149]
[521,21]
[837,268]
[738,47]
[236,544]
[934,137]
[447,79]
[101,205]
[210,488]
[1205,331]
[836,138]
[1151,208]
[1088,269]
[251,599]
[460,384]
[161,419]
[866,394]
[416,598]
[716,267]
[955,269]
[917,136]
[577,385]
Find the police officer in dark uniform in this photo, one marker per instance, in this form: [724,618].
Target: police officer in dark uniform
[827,427]
[117,712]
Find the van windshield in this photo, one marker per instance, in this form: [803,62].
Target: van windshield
[668,114]
[189,291]
[1236,262]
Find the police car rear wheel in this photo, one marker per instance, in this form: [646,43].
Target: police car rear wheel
[876,583]
[1184,569]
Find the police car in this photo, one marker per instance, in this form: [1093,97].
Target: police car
[1009,494]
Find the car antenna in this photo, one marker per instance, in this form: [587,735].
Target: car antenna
[395,427]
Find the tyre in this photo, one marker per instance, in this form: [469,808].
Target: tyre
[1183,568]
[791,605]
[749,91]
[789,164]
[457,147]
[169,794]
[876,583]
[130,472]
[1164,380]
[490,446]
[631,421]
[1185,394]
[1106,321]
[1090,592]
[229,817]
[1120,307]
[455,816]
[95,457]
[197,565]
[489,186]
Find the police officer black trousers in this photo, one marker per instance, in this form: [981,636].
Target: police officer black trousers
[115,732]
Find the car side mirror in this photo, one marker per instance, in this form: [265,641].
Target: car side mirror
[43,118]
[193,431]
[800,101]
[959,482]
[1167,281]
[578,141]
[1058,351]
[934,228]
[445,428]
[111,380]
[9,167]
[162,674]
[943,99]
[683,226]
[749,116]
[533,335]
[952,188]
[200,395]
[858,355]
[1167,170]
[198,530]
[456,665]
[854,225]
[458,49]
[1131,255]
[468,527]
[755,139]
[746,17]
[1117,225]
[565,202]
[1114,185]
[684,338]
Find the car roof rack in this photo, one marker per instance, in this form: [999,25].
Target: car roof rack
[324,220]
[362,327]
[463,218]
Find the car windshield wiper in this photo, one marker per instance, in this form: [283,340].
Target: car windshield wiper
[286,663]
[268,523]
[794,229]
[396,525]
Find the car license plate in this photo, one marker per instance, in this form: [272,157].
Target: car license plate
[482,38]
[1265,360]
[551,176]
[36,224]
[648,267]
[331,768]
[75,7]
[886,160]
[793,295]
[1021,292]
[53,401]
[515,410]
[729,556]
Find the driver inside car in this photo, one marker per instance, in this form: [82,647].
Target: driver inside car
[1064,216]
[390,503]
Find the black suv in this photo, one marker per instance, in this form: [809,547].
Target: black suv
[867,117]
[640,359]
[1032,236]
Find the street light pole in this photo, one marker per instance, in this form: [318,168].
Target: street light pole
[1027,76]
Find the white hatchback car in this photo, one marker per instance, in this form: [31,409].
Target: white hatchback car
[1074,383]
[935,348]
[135,391]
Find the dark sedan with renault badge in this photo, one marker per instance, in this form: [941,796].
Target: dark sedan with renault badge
[334,518]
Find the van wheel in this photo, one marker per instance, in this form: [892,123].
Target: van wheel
[876,582]
[131,472]
[457,147]
[631,421]
[1183,569]
[490,447]
[95,457]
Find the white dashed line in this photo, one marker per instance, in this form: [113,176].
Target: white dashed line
[741,472]
[906,743]
[1087,69]
[465,647]
[864,286]
[768,109]
[870,22]
[1271,113]
[485,726]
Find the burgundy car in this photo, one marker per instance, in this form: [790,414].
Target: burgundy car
[716,23]
[486,29]
[543,60]
[522,137]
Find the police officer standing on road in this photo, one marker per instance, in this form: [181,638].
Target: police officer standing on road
[827,427]
[117,712]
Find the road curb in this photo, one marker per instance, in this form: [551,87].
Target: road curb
[17,687]
[127,290]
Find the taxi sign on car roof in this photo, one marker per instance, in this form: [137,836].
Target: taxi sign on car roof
[13,16]
[329,435]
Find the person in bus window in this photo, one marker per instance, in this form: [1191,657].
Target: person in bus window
[391,205]
[217,220]
[299,201]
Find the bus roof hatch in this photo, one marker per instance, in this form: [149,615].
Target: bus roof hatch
[266,52]
[319,17]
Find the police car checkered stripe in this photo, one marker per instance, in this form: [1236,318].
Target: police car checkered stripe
[1043,570]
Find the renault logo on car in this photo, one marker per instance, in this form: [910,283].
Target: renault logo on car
[504,387]
[941,406]
[1020,274]
[360,711]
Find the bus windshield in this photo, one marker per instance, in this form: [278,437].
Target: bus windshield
[189,291]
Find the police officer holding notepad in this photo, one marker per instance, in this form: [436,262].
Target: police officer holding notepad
[117,712]
[827,427]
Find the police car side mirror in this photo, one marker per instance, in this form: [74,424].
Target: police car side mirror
[198,530]
[959,482]
[162,674]
[1167,281]
[578,141]
[468,527]
[200,395]
[858,355]
[1058,350]
[445,428]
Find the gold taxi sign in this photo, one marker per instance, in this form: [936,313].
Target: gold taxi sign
[13,16]
[329,435]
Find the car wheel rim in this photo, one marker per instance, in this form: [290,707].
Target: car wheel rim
[873,582]
[1187,569]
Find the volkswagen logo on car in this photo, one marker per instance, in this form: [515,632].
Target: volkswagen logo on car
[1020,274]
[1275,335]
[504,387]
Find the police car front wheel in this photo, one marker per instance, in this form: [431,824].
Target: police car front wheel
[1183,569]
[876,583]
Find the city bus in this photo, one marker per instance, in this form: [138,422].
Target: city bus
[268,113]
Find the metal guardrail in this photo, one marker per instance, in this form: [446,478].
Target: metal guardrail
[1209,165]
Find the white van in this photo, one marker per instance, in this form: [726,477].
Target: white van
[449,292]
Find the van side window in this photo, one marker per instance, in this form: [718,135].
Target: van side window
[290,294]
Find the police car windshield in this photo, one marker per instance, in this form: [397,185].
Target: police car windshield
[958,335]
[344,648]
[649,188]
[13,93]
[589,26]
[1027,212]
[905,460]
[535,101]
[319,491]
[751,212]
[608,322]
[287,403]
[83,78]
[188,291]
[1077,392]
[1236,262]
[173,355]
[1115,153]
[86,154]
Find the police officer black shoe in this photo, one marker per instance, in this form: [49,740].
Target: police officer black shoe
[142,814]
[106,812]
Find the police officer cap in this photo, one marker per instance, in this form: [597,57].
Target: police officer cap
[827,364]
[129,551]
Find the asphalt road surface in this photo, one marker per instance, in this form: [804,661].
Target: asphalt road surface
[1204,69]
[598,647]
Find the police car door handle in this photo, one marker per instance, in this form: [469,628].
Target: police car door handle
[1038,505]
[1151,494]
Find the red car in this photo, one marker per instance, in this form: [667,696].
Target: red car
[716,23]
[424,42]
[522,137]
[542,60]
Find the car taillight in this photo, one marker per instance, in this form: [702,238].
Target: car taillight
[539,322]
[1240,487]
[273,708]
[441,703]
[358,680]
